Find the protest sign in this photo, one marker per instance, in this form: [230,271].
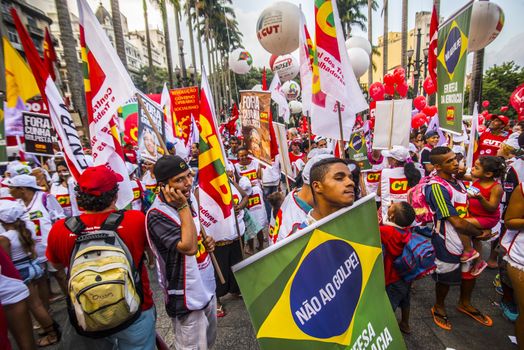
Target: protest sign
[392,124]
[452,55]
[184,103]
[254,116]
[323,287]
[358,151]
[285,163]
[39,134]
[148,143]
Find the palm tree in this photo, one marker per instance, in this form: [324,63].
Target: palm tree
[385,39]
[351,14]
[475,91]
[148,39]
[189,5]
[73,67]
[167,43]
[119,33]
[404,44]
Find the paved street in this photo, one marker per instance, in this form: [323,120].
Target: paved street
[235,331]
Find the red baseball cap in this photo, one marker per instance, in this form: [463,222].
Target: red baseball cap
[96,180]
[502,118]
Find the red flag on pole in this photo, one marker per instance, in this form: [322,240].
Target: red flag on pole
[60,116]
[433,43]
[264,80]
[49,54]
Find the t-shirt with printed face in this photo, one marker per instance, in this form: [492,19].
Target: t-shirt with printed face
[61,242]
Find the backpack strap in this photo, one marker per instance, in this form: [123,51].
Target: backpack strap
[75,225]
[113,221]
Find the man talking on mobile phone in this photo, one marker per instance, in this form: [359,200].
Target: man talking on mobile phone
[184,265]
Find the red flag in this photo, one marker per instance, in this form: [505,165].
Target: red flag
[49,54]
[232,123]
[264,80]
[60,116]
[433,43]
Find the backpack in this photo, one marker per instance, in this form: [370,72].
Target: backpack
[417,198]
[104,292]
[417,259]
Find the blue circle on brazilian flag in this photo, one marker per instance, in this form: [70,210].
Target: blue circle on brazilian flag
[326,289]
[452,49]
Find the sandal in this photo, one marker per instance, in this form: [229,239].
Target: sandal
[469,255]
[440,320]
[477,316]
[220,311]
[51,336]
[478,268]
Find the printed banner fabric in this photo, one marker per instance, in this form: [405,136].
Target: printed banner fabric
[452,55]
[39,134]
[184,103]
[148,143]
[322,288]
[254,115]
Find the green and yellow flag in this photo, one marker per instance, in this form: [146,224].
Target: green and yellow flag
[452,54]
[322,288]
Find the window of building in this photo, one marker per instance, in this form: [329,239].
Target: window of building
[12,35]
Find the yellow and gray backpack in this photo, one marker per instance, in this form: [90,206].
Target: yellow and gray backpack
[104,287]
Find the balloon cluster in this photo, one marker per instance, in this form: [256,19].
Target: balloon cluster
[395,81]
[425,112]
[517,101]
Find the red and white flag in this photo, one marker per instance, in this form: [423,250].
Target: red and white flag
[215,196]
[60,117]
[165,104]
[108,86]
[306,52]
[336,75]
[433,44]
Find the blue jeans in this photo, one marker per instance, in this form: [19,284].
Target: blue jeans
[140,335]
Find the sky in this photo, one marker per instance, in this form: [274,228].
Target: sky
[506,47]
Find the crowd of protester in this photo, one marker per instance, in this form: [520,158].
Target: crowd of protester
[41,204]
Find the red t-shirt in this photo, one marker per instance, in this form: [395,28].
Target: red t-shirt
[393,239]
[132,230]
[489,144]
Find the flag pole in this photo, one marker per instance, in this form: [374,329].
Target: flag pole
[308,130]
[213,258]
[284,163]
[341,129]
[153,125]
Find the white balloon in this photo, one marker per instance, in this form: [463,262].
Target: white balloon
[286,66]
[277,28]
[359,41]
[359,60]
[257,87]
[291,89]
[295,107]
[487,20]
[240,61]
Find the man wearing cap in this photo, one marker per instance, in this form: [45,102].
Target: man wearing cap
[490,140]
[184,264]
[296,157]
[96,193]
[63,190]
[432,139]
[43,210]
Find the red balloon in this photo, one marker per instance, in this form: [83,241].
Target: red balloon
[419,102]
[481,120]
[400,75]
[418,120]
[485,103]
[428,111]
[390,89]
[389,79]
[429,86]
[376,91]
[433,111]
[489,116]
[402,89]
[521,118]
[517,98]
[504,109]
[485,113]
[272,60]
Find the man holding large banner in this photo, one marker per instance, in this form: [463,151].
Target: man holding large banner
[452,54]
[254,115]
[323,287]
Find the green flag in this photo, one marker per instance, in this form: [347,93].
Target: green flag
[452,53]
[358,151]
[323,287]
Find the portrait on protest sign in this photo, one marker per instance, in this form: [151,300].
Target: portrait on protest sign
[254,116]
[148,143]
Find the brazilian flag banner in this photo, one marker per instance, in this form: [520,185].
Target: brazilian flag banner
[452,54]
[323,287]
[358,151]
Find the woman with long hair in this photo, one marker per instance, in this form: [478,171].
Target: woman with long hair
[18,242]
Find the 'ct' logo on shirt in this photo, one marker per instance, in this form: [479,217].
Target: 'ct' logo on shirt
[373,177]
[398,186]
